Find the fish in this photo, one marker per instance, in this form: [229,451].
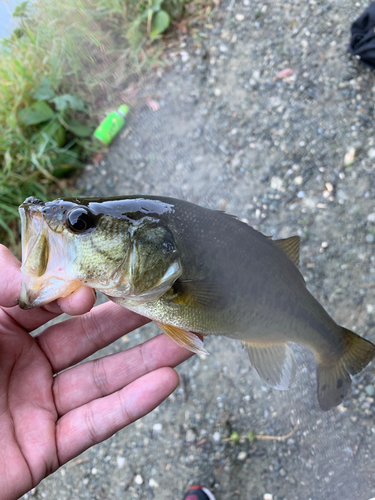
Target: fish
[195,272]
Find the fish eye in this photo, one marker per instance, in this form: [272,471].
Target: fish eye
[79,220]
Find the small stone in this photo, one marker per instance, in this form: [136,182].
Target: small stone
[256,74]
[216,436]
[217,92]
[276,182]
[309,202]
[157,428]
[370,309]
[282,472]
[223,48]
[153,483]
[242,456]
[324,245]
[304,44]
[298,180]
[370,238]
[240,17]
[371,217]
[300,194]
[268,496]
[184,56]
[370,390]
[94,471]
[121,462]
[371,153]
[190,436]
[138,479]
[349,157]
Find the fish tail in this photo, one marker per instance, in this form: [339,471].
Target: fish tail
[334,380]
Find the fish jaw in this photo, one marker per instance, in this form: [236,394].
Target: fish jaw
[47,261]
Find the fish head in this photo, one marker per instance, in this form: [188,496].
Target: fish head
[70,242]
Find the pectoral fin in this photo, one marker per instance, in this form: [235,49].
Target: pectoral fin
[274,363]
[183,338]
[199,294]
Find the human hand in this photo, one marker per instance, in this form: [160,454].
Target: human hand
[46,417]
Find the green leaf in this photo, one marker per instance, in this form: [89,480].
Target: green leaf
[44,93]
[21,9]
[156,5]
[79,129]
[66,162]
[38,112]
[54,132]
[68,101]
[160,23]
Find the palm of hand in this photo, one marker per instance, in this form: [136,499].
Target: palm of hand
[28,414]
[51,410]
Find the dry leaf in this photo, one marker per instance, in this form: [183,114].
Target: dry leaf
[285,73]
[153,105]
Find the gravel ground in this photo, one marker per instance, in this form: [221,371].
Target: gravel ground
[291,153]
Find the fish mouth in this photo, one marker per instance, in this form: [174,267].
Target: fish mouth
[46,257]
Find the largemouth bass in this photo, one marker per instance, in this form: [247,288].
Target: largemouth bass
[193,271]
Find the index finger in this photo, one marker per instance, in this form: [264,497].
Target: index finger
[79,302]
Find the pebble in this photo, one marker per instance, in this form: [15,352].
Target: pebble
[370,390]
[268,496]
[223,48]
[157,428]
[184,56]
[370,308]
[240,17]
[153,483]
[298,180]
[216,436]
[138,479]
[276,182]
[370,238]
[242,456]
[309,202]
[121,462]
[371,217]
[371,153]
[190,436]
[217,92]
[94,471]
[349,157]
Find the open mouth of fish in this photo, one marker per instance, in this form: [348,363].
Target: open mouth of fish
[45,273]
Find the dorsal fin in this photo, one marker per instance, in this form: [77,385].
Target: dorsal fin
[290,246]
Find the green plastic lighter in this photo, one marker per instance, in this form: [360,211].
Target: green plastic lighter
[111,125]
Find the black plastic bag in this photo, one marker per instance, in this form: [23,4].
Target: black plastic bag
[362,42]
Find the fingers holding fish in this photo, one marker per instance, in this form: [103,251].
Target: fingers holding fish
[87,425]
[79,302]
[73,340]
[101,377]
[10,278]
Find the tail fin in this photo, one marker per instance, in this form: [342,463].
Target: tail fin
[334,380]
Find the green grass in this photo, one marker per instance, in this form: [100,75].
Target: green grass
[76,57]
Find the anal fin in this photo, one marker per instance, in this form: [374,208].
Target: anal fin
[274,363]
[183,338]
